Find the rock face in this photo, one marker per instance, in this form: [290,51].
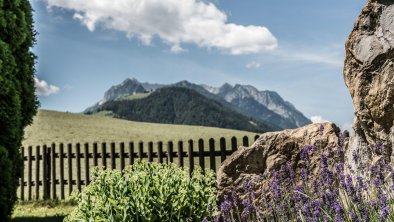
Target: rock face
[272,150]
[369,75]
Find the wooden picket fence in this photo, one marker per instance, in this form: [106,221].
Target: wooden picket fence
[58,166]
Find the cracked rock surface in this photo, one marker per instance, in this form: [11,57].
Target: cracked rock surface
[369,76]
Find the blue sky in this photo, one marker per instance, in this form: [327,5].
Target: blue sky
[293,47]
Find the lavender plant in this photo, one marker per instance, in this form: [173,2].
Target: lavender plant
[338,193]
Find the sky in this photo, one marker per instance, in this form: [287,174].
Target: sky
[295,48]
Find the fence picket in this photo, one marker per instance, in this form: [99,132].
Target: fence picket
[95,155]
[53,180]
[191,157]
[104,155]
[70,168]
[44,172]
[222,149]
[86,155]
[78,166]
[122,156]
[234,143]
[22,183]
[201,154]
[245,141]
[150,151]
[212,154]
[170,153]
[140,150]
[61,163]
[160,151]
[37,183]
[113,160]
[180,153]
[131,153]
[29,172]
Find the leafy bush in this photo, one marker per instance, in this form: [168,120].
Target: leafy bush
[146,192]
[341,193]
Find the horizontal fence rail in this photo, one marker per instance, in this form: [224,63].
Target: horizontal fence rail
[61,167]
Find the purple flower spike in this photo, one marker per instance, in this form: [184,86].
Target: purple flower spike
[226,206]
[321,129]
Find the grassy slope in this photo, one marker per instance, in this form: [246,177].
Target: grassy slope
[52,126]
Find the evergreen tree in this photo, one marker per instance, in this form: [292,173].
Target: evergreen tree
[18,103]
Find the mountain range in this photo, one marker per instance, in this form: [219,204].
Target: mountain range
[256,110]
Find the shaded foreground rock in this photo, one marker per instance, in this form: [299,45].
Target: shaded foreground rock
[271,151]
[369,75]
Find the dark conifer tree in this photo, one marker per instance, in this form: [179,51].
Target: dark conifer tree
[18,103]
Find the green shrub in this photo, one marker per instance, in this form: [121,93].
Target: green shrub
[146,192]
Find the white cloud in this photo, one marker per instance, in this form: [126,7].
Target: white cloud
[318,119]
[316,57]
[44,89]
[331,55]
[253,64]
[175,22]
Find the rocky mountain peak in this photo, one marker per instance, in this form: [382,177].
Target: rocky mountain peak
[246,99]
[130,81]
[127,87]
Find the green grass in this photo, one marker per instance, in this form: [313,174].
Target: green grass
[42,211]
[55,127]
[59,127]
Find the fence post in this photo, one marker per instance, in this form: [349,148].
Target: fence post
[222,149]
[78,166]
[150,152]
[245,141]
[29,171]
[22,186]
[104,155]
[234,144]
[61,163]
[180,153]
[37,172]
[53,156]
[201,154]
[70,168]
[191,157]
[160,151]
[87,173]
[170,152]
[140,149]
[212,154]
[95,155]
[113,163]
[122,156]
[131,153]
[49,168]
[45,172]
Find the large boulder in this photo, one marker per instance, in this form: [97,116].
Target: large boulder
[369,75]
[271,150]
